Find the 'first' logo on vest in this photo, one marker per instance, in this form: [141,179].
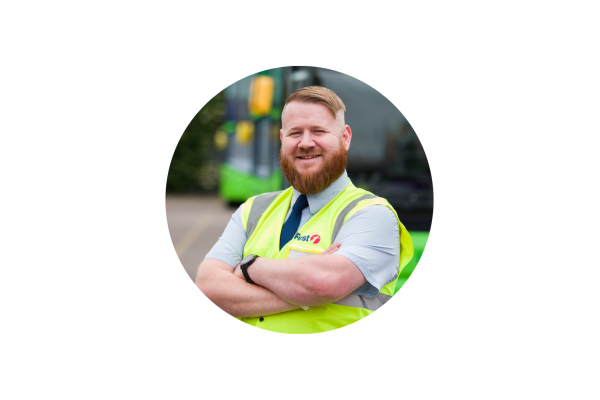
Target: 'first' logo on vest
[308,238]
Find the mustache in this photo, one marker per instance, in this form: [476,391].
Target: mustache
[304,153]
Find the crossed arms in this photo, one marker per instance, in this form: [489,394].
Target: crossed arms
[281,285]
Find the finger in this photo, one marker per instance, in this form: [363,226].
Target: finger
[327,250]
[332,249]
[330,252]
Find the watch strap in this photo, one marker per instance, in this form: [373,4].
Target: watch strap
[245,270]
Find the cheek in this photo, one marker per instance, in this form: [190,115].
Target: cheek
[287,149]
[329,147]
[286,146]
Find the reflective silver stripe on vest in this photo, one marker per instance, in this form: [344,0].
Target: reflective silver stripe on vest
[259,206]
[340,219]
[355,300]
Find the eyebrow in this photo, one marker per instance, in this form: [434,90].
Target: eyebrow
[312,127]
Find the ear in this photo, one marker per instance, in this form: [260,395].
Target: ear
[281,135]
[347,137]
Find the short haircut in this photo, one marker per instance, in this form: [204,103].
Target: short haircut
[318,94]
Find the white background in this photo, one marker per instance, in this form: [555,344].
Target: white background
[94,302]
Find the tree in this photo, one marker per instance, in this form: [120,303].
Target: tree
[194,166]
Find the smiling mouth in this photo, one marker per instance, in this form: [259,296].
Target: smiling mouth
[308,157]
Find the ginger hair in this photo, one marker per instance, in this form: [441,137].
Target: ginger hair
[318,94]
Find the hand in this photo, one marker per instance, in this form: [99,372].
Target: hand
[331,249]
[238,272]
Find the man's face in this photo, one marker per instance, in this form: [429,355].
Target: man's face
[313,146]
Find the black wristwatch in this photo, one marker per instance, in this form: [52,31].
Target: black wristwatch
[245,263]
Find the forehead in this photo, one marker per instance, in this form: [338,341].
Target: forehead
[297,113]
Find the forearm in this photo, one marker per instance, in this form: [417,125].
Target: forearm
[235,296]
[309,281]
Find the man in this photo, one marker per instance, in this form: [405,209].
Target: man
[319,255]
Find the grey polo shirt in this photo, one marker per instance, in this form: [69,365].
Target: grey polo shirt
[370,238]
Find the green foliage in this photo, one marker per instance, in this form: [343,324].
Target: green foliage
[195,158]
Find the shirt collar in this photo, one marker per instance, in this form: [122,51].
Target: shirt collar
[319,200]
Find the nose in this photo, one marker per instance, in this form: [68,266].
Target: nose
[307,141]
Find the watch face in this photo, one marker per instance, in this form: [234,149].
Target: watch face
[247,259]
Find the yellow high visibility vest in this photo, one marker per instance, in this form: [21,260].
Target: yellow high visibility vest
[263,217]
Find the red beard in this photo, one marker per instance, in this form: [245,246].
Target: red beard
[333,167]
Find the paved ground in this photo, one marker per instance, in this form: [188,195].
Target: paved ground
[195,224]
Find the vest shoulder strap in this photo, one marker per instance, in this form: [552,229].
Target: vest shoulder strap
[259,206]
[342,216]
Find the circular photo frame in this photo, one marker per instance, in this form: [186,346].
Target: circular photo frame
[299,199]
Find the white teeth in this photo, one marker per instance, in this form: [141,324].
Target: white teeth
[306,158]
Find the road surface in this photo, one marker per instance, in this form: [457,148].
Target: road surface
[195,224]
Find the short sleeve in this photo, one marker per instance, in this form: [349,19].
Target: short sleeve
[230,246]
[371,240]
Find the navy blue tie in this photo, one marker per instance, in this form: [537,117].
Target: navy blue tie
[291,225]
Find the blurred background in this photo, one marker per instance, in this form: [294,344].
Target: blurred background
[230,152]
